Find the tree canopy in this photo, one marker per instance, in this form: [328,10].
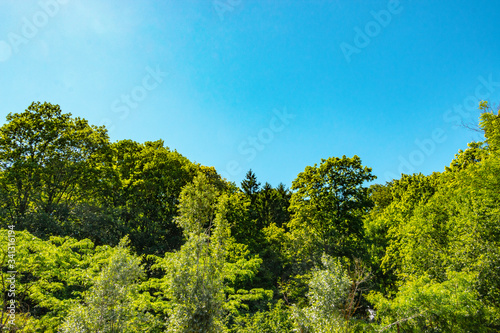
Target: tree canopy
[134,237]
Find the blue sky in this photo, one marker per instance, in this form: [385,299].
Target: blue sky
[269,85]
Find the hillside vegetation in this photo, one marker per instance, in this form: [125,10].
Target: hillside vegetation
[134,237]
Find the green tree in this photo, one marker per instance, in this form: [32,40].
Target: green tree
[113,303]
[196,280]
[327,205]
[490,124]
[48,160]
[250,185]
[271,205]
[440,237]
[50,276]
[145,190]
[385,225]
[276,319]
[425,305]
[327,296]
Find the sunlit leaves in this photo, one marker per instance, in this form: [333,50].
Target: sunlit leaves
[327,204]
[328,293]
[112,304]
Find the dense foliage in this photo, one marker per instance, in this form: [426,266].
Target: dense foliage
[128,237]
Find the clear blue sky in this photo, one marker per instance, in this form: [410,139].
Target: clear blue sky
[269,85]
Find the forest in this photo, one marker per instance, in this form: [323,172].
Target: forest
[101,236]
